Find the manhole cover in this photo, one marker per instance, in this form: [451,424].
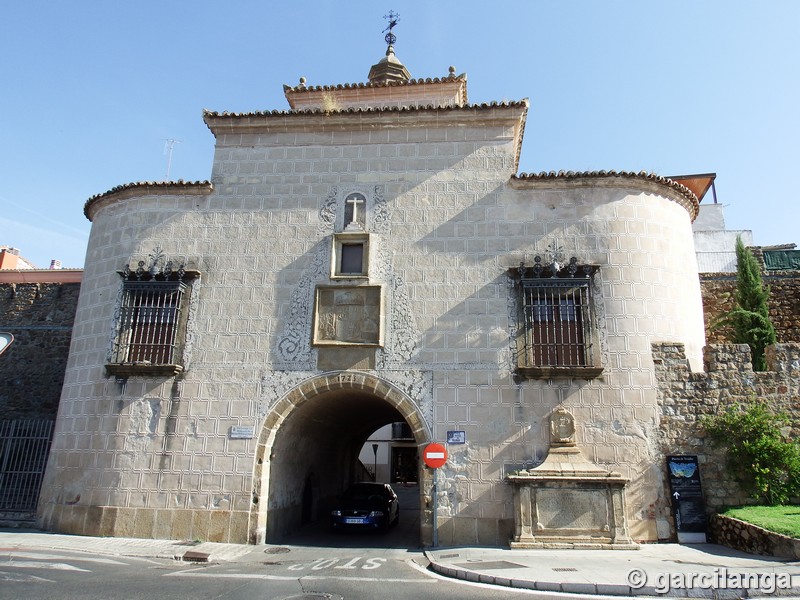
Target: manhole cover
[277,550]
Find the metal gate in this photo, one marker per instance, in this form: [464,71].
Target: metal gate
[24,446]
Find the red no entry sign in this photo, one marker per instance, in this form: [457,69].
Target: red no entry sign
[434,455]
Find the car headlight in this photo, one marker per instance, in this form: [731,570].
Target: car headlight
[336,513]
[376,513]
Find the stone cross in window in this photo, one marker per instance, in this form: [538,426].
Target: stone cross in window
[352,203]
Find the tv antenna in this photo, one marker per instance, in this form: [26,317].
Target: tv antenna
[393,19]
[169,144]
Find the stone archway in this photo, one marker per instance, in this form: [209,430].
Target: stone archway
[317,391]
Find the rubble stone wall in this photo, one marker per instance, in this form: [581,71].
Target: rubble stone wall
[747,537]
[685,398]
[784,302]
[40,317]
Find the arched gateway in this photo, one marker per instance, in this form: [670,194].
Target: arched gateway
[308,448]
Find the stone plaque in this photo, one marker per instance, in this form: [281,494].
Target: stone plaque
[585,509]
[240,432]
[348,315]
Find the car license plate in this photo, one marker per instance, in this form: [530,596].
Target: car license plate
[354,521]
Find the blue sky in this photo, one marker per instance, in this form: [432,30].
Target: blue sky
[92,89]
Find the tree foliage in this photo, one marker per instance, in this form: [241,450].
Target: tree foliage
[750,320]
[765,465]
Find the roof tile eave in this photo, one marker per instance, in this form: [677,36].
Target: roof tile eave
[153,187]
[692,203]
[376,84]
[209,114]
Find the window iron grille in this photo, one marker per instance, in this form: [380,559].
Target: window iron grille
[557,329]
[556,319]
[149,320]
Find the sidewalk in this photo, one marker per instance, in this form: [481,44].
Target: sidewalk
[665,570]
[13,539]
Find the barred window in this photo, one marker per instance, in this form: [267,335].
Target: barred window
[151,323]
[554,323]
[556,334]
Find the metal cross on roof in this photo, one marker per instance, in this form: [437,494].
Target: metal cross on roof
[393,18]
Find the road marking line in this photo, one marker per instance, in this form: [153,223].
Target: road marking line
[66,556]
[287,578]
[20,578]
[29,564]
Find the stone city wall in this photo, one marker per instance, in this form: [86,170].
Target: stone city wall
[685,397]
[40,317]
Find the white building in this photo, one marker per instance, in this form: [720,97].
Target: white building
[369,256]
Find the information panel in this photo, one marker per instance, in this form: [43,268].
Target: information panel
[688,505]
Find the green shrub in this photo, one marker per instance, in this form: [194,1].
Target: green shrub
[750,318]
[765,465]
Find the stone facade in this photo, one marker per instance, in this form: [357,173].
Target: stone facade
[262,425]
[685,396]
[40,317]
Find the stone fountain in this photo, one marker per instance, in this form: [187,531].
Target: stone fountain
[567,501]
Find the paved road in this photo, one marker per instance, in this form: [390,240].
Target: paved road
[278,573]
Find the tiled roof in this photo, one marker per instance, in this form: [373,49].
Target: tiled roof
[149,187]
[689,200]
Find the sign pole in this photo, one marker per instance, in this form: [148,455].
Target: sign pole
[435,510]
[435,456]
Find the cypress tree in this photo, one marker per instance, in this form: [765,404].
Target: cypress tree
[750,318]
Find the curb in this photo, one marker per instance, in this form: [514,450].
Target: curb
[599,589]
[602,589]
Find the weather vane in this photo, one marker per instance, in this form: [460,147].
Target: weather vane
[393,18]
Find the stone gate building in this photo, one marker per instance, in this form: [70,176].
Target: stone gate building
[370,255]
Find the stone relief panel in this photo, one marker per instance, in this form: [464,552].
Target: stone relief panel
[400,334]
[380,210]
[327,212]
[274,386]
[572,509]
[401,330]
[348,315]
[417,385]
[512,306]
[294,346]
[600,317]
[338,210]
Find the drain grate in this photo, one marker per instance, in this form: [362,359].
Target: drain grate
[193,556]
[565,569]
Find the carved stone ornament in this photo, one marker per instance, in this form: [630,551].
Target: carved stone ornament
[562,427]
